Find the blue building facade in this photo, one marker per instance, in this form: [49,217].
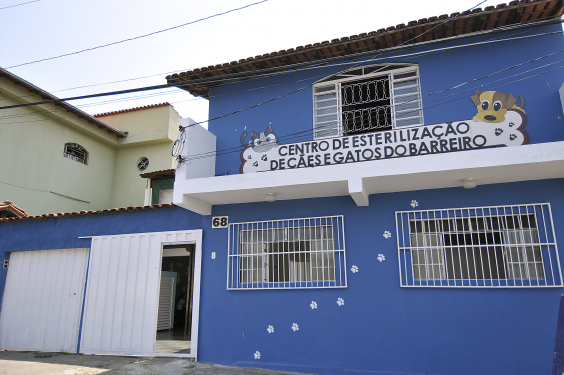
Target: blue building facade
[390,211]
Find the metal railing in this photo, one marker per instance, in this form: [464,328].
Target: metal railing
[497,246]
[287,254]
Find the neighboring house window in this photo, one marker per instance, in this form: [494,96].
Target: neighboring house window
[367,99]
[296,253]
[76,152]
[500,246]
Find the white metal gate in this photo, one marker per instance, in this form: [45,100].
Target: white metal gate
[43,300]
[122,292]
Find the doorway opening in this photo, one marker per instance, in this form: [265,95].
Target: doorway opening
[176,295]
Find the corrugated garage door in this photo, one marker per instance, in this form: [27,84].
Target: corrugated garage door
[43,300]
[122,293]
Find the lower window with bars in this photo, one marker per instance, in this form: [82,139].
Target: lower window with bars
[287,254]
[499,246]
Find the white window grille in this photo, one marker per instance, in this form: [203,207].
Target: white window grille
[498,246]
[283,254]
[76,152]
[367,99]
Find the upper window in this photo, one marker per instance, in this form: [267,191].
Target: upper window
[142,163]
[76,152]
[367,99]
[297,253]
[503,246]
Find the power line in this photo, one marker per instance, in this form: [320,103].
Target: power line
[227,81]
[166,93]
[305,134]
[238,148]
[138,37]
[268,74]
[505,84]
[17,5]
[178,145]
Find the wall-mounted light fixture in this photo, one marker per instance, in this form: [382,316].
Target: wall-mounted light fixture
[469,183]
[270,197]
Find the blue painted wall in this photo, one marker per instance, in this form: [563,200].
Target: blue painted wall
[381,328]
[291,117]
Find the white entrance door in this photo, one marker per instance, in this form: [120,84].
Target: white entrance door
[122,292]
[43,300]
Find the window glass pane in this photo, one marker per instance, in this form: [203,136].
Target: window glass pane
[405,75]
[326,88]
[415,121]
[325,111]
[408,114]
[411,82]
[326,118]
[327,133]
[326,104]
[326,96]
[407,90]
[409,105]
[408,98]
[326,126]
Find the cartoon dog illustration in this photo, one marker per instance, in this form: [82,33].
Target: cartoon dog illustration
[493,105]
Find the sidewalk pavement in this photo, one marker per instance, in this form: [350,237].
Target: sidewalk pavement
[30,363]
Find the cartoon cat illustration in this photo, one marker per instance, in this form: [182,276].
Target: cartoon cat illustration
[262,142]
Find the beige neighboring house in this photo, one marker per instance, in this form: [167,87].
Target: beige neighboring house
[57,158]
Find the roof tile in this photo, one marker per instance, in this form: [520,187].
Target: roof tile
[84,213]
[501,15]
[133,109]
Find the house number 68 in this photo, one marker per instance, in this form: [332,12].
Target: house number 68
[220,221]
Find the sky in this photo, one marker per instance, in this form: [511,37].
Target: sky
[47,28]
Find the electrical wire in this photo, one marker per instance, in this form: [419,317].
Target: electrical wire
[396,57]
[257,88]
[238,148]
[306,134]
[17,5]
[505,84]
[138,37]
[225,80]
[271,74]
[498,80]
[178,148]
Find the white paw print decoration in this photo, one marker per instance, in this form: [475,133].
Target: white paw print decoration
[381,257]
[414,203]
[295,327]
[313,305]
[257,355]
[270,329]
[387,234]
[354,269]
[340,301]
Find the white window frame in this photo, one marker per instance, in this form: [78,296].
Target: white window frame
[493,247]
[257,249]
[333,85]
